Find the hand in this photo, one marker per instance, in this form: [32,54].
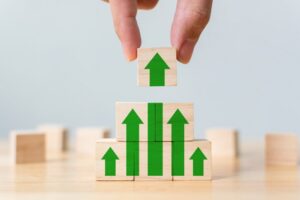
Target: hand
[190,19]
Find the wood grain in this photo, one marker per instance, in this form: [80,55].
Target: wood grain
[144,55]
[73,177]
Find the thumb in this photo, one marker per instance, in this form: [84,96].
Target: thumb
[190,19]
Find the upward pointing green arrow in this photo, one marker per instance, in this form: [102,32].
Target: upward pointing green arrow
[198,162]
[110,158]
[132,122]
[157,67]
[177,122]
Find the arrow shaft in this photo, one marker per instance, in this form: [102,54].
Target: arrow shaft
[132,158]
[177,132]
[198,167]
[178,158]
[132,132]
[157,77]
[110,167]
[155,145]
[132,149]
[177,149]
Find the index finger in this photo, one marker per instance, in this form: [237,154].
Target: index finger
[124,18]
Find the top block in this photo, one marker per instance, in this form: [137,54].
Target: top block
[157,67]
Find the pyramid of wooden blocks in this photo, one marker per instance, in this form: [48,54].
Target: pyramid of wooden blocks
[281,149]
[56,138]
[86,139]
[155,141]
[224,142]
[28,146]
[157,67]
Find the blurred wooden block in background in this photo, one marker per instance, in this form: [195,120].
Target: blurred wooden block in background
[157,67]
[225,142]
[56,138]
[197,161]
[86,139]
[111,160]
[281,149]
[28,146]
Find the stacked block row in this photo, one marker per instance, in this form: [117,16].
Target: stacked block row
[154,141]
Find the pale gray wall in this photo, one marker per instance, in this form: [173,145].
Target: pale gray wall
[61,62]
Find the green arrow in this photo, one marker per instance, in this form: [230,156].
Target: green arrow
[157,67]
[198,161]
[110,158]
[155,145]
[177,122]
[132,122]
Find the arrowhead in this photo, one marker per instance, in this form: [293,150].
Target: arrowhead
[157,63]
[110,155]
[177,118]
[132,118]
[198,155]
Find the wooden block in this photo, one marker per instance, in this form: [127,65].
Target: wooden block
[56,138]
[157,73]
[187,111]
[109,151]
[155,118]
[197,156]
[28,146]
[86,139]
[122,111]
[155,161]
[224,142]
[281,149]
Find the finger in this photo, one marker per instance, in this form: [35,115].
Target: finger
[190,19]
[143,4]
[124,18]
[146,4]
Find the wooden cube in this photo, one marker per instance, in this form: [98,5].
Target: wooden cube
[281,149]
[155,121]
[157,67]
[28,146]
[178,114]
[224,142]
[86,139]
[56,138]
[111,160]
[197,161]
[155,161]
[127,111]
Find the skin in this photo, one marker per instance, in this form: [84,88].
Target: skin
[191,17]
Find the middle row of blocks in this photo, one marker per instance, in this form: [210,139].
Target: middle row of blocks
[154,121]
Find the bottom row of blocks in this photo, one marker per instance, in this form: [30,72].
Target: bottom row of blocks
[149,163]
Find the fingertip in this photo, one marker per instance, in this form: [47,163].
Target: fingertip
[130,51]
[130,56]
[146,4]
[185,52]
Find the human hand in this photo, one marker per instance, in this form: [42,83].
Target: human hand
[190,19]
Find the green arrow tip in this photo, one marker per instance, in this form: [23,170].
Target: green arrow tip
[132,118]
[178,117]
[198,154]
[157,62]
[110,155]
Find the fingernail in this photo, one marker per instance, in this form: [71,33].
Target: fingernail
[186,51]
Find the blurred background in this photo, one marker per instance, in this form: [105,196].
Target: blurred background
[61,62]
